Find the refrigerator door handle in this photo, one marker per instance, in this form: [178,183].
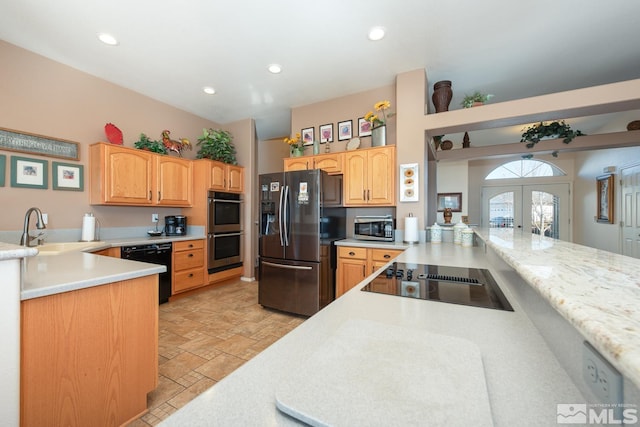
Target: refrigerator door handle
[290,267]
[280,222]
[286,215]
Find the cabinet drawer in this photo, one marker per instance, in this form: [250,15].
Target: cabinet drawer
[351,252]
[188,259]
[188,279]
[384,255]
[186,245]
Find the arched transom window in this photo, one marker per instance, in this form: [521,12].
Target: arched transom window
[525,168]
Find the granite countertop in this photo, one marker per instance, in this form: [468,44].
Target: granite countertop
[524,379]
[11,251]
[372,244]
[596,291]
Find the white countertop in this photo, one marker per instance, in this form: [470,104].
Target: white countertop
[524,380]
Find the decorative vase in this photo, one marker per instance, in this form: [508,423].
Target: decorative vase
[465,140]
[297,151]
[447,214]
[316,147]
[379,136]
[436,233]
[442,95]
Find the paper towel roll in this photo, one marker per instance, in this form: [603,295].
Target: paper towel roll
[411,229]
[88,227]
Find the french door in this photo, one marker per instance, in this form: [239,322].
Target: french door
[543,209]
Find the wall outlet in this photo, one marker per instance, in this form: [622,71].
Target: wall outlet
[154,217]
[602,378]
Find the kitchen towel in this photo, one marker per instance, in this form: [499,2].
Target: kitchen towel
[88,228]
[411,229]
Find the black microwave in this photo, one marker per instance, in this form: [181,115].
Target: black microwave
[378,227]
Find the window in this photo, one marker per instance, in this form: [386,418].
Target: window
[525,169]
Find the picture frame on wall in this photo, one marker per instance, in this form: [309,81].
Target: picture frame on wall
[364,127]
[450,200]
[345,130]
[68,177]
[29,173]
[326,133]
[604,193]
[307,136]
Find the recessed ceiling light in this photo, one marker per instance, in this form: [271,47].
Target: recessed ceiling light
[376,33]
[209,90]
[108,39]
[274,68]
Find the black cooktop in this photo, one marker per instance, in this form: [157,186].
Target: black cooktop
[455,285]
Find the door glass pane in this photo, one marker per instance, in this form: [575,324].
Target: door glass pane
[501,210]
[544,214]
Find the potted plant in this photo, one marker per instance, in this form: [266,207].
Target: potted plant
[478,98]
[296,148]
[556,129]
[144,143]
[215,144]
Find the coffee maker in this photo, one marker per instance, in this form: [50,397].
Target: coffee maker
[175,225]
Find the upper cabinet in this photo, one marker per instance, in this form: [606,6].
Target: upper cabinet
[225,177]
[331,163]
[369,176]
[128,176]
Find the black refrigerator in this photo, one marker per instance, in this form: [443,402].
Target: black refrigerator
[301,216]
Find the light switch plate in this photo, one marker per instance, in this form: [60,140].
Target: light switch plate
[154,217]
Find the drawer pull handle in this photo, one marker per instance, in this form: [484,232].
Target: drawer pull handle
[387,256]
[190,274]
[352,253]
[191,245]
[190,255]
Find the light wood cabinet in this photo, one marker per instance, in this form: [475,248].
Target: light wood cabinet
[355,264]
[110,252]
[225,177]
[331,163]
[370,177]
[127,176]
[188,267]
[89,356]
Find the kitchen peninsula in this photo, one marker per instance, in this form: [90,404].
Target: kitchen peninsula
[525,368]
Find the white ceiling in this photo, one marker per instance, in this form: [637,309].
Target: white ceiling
[170,49]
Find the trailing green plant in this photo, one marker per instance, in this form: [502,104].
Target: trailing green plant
[215,144]
[468,100]
[144,143]
[556,129]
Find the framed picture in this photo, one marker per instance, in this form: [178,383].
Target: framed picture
[345,130]
[29,173]
[3,168]
[32,143]
[450,200]
[326,133]
[364,127]
[307,136]
[67,177]
[604,193]
[409,182]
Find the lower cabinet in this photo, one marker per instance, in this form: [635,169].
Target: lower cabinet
[356,263]
[188,265]
[89,356]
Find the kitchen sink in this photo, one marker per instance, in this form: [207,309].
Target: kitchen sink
[63,247]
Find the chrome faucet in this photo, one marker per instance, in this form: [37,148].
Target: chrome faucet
[25,240]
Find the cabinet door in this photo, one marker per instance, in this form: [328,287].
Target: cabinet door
[355,178]
[331,163]
[350,273]
[235,180]
[174,181]
[381,176]
[121,176]
[218,176]
[297,164]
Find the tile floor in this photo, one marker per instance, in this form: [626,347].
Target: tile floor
[204,337]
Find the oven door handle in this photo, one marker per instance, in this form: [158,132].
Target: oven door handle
[215,236]
[290,267]
[226,201]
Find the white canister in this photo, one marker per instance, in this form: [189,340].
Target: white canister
[457,232]
[467,238]
[436,233]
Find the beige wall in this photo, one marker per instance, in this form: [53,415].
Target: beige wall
[44,97]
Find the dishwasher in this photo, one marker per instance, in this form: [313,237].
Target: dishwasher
[159,253]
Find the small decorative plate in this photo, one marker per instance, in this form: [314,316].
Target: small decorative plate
[353,144]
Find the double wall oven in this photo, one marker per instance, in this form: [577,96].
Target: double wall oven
[224,231]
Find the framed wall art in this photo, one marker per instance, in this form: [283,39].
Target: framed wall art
[38,144]
[604,193]
[307,136]
[29,173]
[326,133]
[345,130]
[67,176]
[364,127]
[450,200]
[409,182]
